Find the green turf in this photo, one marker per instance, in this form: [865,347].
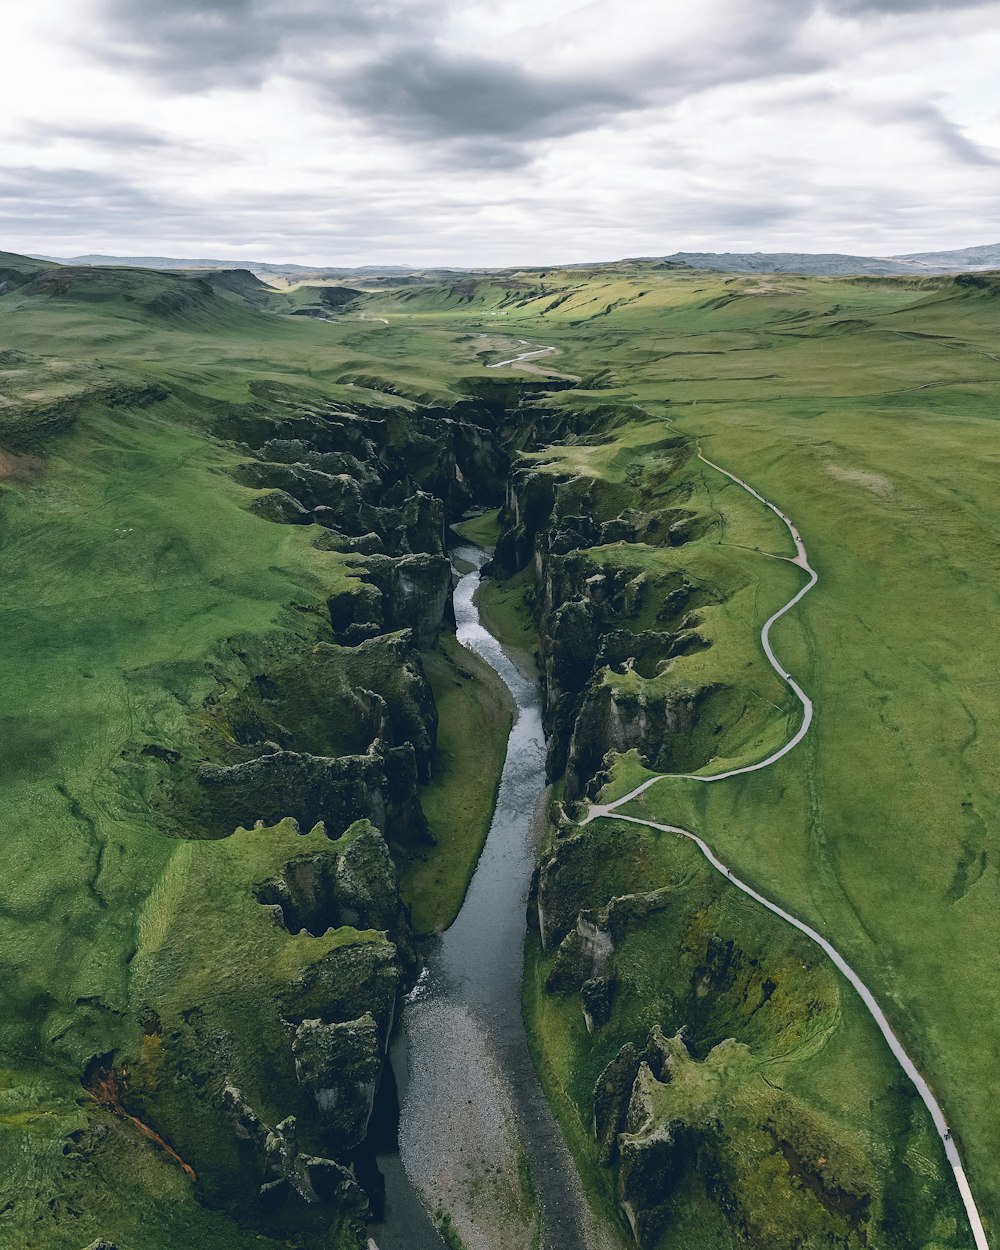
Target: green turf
[867,411]
[133,572]
[804,1068]
[475,713]
[482,530]
[504,611]
[137,584]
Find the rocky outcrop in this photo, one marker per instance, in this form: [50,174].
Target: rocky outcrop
[531,497]
[586,938]
[779,1175]
[366,884]
[620,718]
[280,506]
[336,734]
[594,597]
[330,700]
[384,482]
[348,982]
[310,1177]
[380,786]
[354,883]
[411,592]
[340,1064]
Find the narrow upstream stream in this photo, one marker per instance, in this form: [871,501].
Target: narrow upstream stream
[468,1089]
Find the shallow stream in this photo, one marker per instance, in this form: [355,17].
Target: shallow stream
[470,1100]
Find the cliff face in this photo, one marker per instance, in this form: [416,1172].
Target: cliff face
[609,622]
[718,1021]
[714,1020]
[281,1035]
[385,482]
[260,1064]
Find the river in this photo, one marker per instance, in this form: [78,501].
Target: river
[470,1100]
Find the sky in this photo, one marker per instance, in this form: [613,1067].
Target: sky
[497,132]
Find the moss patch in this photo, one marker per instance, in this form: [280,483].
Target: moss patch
[475,714]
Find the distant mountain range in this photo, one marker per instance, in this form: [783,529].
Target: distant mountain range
[290,272]
[833,264]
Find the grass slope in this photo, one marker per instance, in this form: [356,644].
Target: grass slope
[865,408]
[136,584]
[475,713]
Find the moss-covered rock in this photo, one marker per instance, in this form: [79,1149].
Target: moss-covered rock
[265,1047]
[380,787]
[410,592]
[280,506]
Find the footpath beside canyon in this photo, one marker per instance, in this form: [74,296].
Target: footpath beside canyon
[258,741]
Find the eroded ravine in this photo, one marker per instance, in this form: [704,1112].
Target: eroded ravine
[472,1110]
[612,810]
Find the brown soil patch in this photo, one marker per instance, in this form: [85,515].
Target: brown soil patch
[15,468]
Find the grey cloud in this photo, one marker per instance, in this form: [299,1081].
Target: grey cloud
[195,44]
[54,199]
[437,146]
[902,6]
[424,93]
[934,125]
[121,135]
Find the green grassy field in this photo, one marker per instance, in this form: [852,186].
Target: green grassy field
[867,411]
[133,574]
[137,585]
[475,715]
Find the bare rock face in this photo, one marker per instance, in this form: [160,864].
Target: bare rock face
[568,649]
[380,787]
[313,1179]
[340,1065]
[409,592]
[530,500]
[611,718]
[587,599]
[385,483]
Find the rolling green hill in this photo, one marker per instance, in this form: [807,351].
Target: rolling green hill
[207,506]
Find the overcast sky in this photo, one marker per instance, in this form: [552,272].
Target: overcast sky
[483,132]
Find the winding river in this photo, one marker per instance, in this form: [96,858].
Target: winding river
[462,1061]
[470,1101]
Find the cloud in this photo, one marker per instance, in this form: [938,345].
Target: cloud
[932,124]
[200,44]
[453,131]
[902,7]
[428,94]
[100,134]
[50,204]
[951,137]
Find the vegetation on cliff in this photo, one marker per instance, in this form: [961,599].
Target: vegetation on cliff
[227,596]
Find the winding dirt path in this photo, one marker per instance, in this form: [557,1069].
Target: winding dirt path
[528,355]
[867,997]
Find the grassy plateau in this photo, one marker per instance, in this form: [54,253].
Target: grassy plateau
[139,583]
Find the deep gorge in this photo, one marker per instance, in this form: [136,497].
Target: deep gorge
[344,734]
